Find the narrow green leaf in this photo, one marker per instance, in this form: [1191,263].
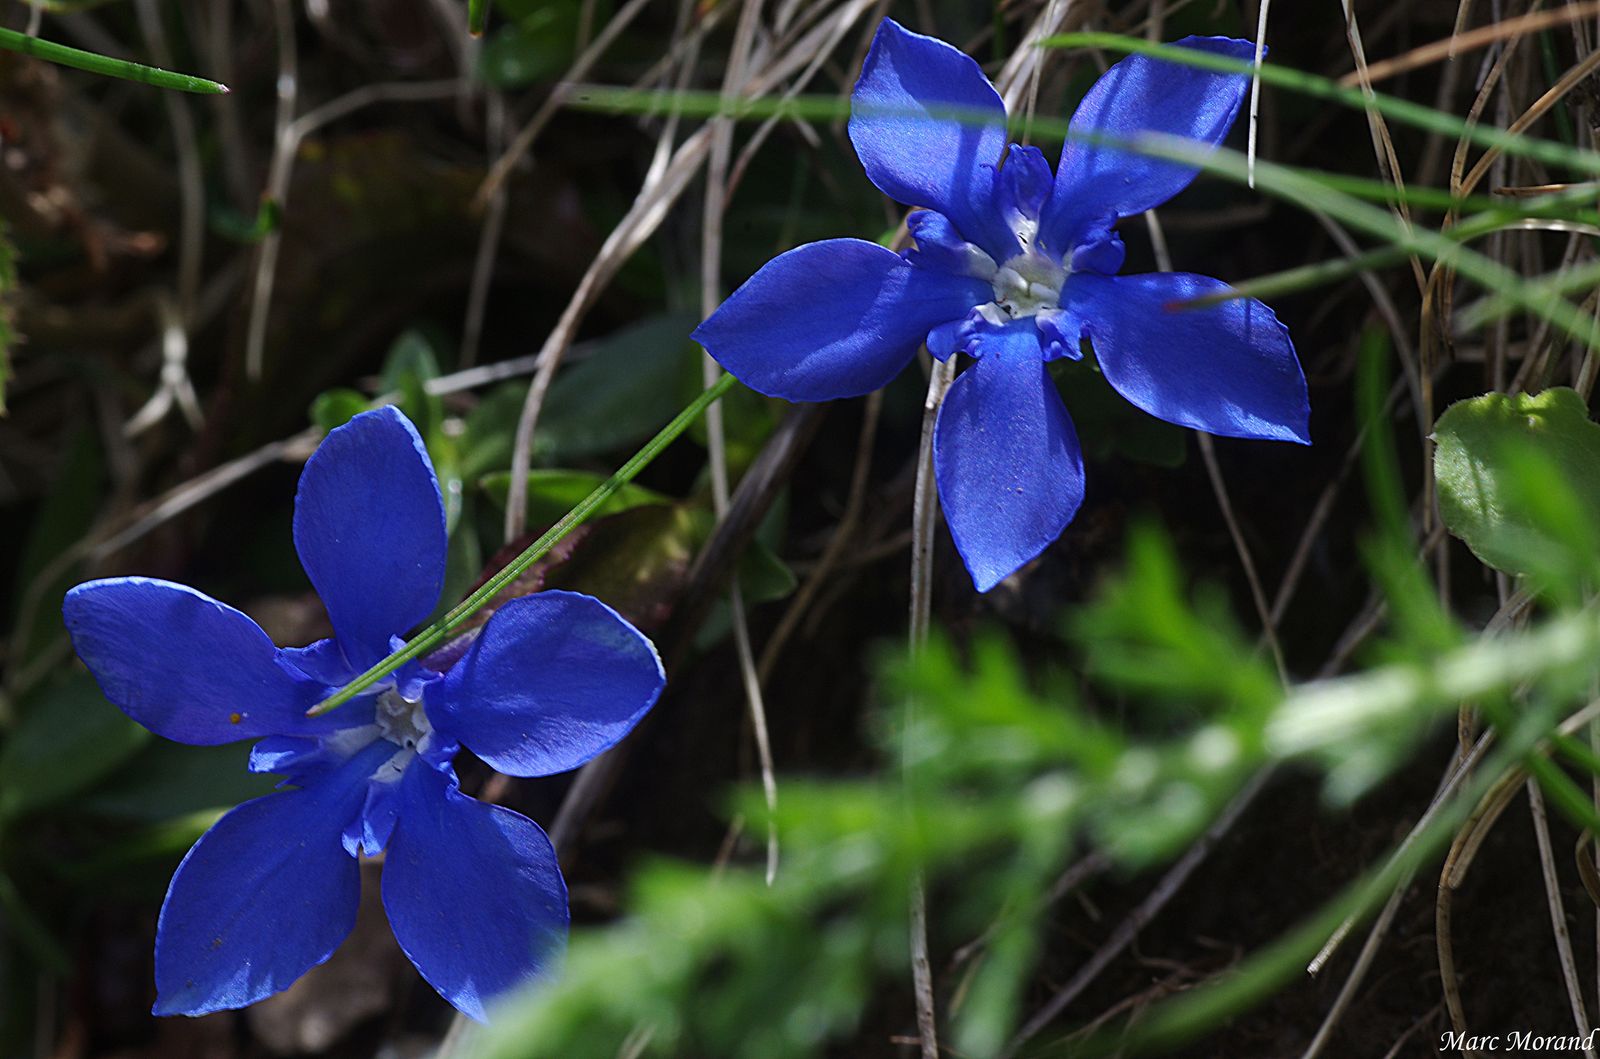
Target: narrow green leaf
[477,16]
[1402,110]
[78,59]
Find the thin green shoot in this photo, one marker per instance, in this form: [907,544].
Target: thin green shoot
[94,63]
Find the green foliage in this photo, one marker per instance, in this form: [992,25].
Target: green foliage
[536,45]
[1147,632]
[729,966]
[552,494]
[1388,548]
[621,389]
[69,737]
[1519,481]
[412,364]
[334,408]
[996,777]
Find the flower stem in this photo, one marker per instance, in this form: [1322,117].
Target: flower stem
[78,59]
[435,634]
[924,519]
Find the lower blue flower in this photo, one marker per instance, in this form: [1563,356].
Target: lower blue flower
[473,891]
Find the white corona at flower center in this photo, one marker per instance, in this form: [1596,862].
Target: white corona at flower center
[402,721]
[1028,284]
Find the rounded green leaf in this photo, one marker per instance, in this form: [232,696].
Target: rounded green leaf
[1519,481]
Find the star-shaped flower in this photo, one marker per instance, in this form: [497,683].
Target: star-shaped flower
[473,891]
[1014,267]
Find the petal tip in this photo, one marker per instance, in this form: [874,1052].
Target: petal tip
[164,1008]
[986,580]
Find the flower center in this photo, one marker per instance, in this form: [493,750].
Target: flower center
[402,721]
[1028,284]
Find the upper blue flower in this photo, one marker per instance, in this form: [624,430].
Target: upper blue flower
[1015,267]
[473,891]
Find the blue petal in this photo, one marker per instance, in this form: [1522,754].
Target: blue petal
[554,679]
[1229,369]
[952,336]
[185,666]
[322,661]
[473,891]
[1139,95]
[838,318]
[369,831]
[931,131]
[941,248]
[281,755]
[1007,460]
[1099,250]
[369,526]
[1059,333]
[264,896]
[1021,191]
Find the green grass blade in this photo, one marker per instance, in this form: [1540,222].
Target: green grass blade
[813,108]
[1306,190]
[78,59]
[477,16]
[1305,277]
[821,110]
[1401,110]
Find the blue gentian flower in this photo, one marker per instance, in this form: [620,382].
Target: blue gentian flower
[473,891]
[1014,267]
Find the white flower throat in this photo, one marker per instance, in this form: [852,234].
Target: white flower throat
[1028,284]
[402,721]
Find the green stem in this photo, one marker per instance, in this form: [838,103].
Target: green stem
[78,59]
[436,633]
[477,16]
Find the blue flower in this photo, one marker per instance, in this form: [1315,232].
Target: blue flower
[1014,267]
[473,891]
